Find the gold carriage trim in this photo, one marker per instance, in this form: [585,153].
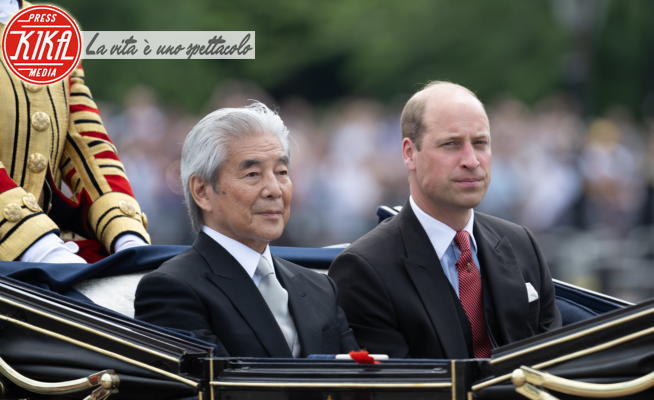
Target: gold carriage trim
[107,380]
[99,350]
[342,385]
[571,356]
[528,379]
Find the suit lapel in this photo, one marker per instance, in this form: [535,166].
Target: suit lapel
[431,284]
[228,275]
[505,294]
[306,322]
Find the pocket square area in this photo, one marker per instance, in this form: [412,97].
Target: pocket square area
[532,294]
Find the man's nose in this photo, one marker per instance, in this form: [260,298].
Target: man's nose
[469,156]
[271,186]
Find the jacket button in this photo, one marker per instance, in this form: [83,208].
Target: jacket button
[40,121]
[36,162]
[33,88]
[30,202]
[12,212]
[127,208]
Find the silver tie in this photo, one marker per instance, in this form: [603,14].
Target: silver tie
[277,299]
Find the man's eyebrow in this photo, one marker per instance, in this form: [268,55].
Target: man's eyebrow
[454,136]
[245,164]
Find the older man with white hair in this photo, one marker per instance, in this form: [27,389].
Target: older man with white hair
[227,288]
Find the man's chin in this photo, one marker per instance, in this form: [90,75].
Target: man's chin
[471,198]
[469,203]
[272,234]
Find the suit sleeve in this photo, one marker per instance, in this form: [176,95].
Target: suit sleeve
[364,297]
[348,342]
[549,315]
[92,169]
[163,300]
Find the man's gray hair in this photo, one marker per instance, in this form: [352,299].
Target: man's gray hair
[205,147]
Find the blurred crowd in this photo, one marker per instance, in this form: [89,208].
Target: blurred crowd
[584,186]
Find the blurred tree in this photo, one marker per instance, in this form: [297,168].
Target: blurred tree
[385,49]
[623,57]
[492,47]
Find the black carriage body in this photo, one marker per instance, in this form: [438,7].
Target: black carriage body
[49,337]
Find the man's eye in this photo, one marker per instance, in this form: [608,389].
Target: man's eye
[252,174]
[283,172]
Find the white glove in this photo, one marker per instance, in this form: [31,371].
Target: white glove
[51,249]
[128,240]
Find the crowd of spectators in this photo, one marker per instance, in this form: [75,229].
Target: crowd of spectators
[575,181]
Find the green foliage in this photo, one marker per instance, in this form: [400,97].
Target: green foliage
[324,50]
[623,60]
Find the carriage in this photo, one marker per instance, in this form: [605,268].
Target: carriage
[67,332]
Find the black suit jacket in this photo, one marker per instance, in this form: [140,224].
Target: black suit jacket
[399,302]
[204,290]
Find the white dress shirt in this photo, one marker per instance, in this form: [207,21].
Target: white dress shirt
[441,237]
[247,257]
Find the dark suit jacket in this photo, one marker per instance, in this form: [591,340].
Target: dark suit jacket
[399,302]
[204,290]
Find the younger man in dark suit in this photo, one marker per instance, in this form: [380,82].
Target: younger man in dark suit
[227,288]
[440,280]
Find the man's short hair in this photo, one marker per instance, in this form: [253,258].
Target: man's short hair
[205,147]
[411,120]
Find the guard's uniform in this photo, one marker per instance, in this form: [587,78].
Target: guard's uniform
[50,134]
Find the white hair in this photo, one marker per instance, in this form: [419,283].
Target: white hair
[205,147]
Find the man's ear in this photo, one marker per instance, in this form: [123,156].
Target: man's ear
[199,191]
[408,153]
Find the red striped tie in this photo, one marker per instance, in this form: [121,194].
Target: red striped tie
[470,296]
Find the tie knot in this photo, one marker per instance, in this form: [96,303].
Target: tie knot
[264,268]
[462,239]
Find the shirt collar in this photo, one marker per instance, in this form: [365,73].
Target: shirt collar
[440,235]
[246,256]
